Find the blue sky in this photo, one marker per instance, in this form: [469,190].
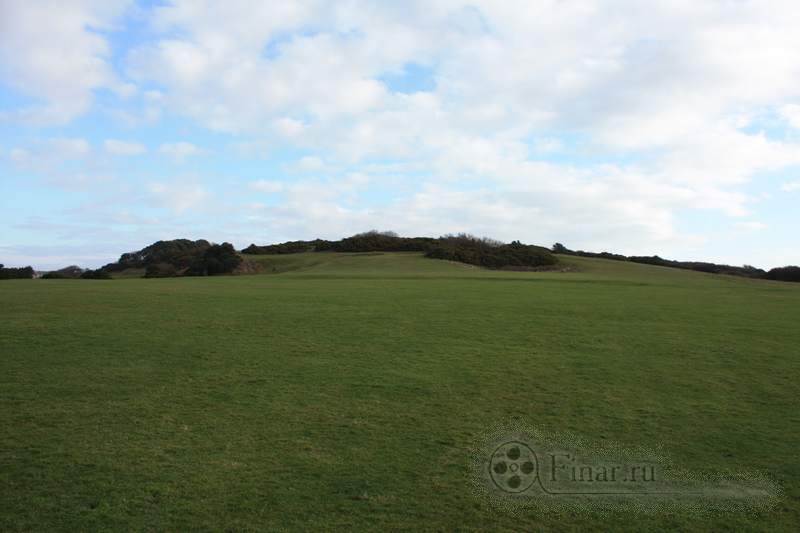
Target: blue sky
[670,129]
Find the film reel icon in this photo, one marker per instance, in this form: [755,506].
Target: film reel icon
[513,467]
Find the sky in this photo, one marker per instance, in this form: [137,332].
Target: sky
[667,127]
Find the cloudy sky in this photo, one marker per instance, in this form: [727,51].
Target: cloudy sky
[658,126]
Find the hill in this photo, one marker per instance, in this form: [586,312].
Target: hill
[463,248]
[357,384]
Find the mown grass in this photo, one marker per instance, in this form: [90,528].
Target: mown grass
[347,390]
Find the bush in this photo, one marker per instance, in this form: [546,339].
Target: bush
[96,274]
[386,241]
[177,258]
[160,270]
[291,247]
[179,252]
[217,259]
[787,273]
[489,253]
[370,241]
[559,248]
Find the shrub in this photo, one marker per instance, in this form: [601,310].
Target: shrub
[382,241]
[217,259]
[160,270]
[787,273]
[489,253]
[179,252]
[96,274]
[291,247]
[559,248]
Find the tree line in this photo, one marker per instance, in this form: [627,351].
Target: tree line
[463,248]
[16,273]
[788,273]
[185,257]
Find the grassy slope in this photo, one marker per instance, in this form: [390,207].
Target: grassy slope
[345,391]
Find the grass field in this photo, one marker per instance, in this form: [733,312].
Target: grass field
[345,390]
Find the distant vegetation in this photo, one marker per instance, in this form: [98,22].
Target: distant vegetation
[491,254]
[789,273]
[179,257]
[160,270]
[386,241]
[96,274]
[216,259]
[370,241]
[464,248]
[76,272]
[180,253]
[70,272]
[184,257]
[291,247]
[16,273]
[162,259]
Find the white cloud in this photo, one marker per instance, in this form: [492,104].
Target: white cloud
[180,150]
[52,51]
[307,164]
[547,145]
[751,226]
[669,80]
[252,148]
[288,127]
[123,148]
[69,148]
[267,186]
[19,156]
[65,162]
[644,109]
[49,153]
[791,113]
[179,197]
[791,186]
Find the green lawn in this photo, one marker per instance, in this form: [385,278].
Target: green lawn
[346,390]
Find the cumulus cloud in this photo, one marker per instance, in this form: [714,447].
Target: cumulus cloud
[267,186]
[791,113]
[179,197]
[180,150]
[45,154]
[54,52]
[65,162]
[751,225]
[123,148]
[601,122]
[666,82]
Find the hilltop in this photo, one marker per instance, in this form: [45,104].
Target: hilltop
[185,257]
